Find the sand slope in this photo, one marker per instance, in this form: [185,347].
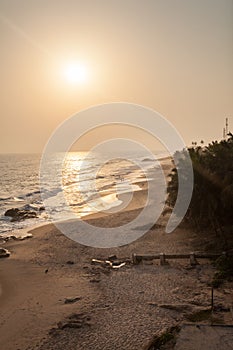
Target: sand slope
[116,309]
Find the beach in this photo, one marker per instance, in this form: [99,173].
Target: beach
[55,297]
[114,308]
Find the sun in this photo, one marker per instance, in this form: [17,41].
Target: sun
[76,73]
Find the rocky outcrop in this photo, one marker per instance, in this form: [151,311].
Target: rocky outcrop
[17,214]
[4,253]
[6,238]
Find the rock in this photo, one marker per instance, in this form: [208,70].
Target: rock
[4,253]
[20,214]
[70,262]
[72,300]
[5,238]
[12,212]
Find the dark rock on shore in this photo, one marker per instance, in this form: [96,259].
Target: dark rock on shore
[4,253]
[20,214]
[6,238]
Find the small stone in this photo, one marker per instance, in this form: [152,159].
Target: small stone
[72,300]
[70,262]
[94,280]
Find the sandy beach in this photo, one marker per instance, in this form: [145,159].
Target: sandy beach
[114,309]
[54,297]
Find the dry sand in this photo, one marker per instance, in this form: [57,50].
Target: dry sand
[115,309]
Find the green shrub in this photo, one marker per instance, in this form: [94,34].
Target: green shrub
[211,205]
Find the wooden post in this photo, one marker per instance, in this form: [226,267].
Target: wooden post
[212,298]
[162,259]
[212,305]
[134,258]
[193,260]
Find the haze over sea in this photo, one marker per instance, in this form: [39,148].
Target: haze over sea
[20,185]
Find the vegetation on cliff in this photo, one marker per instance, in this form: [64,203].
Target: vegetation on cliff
[211,206]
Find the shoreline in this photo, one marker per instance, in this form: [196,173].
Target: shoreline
[136,203]
[164,162]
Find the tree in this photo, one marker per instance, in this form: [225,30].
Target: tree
[211,205]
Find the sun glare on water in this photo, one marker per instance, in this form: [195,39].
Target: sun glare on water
[76,73]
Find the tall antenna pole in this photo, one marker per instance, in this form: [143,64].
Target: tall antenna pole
[226,131]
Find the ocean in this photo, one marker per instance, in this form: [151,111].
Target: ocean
[87,178]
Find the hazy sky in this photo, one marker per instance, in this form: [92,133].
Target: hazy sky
[175,56]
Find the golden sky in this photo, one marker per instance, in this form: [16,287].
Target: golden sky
[175,56]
